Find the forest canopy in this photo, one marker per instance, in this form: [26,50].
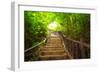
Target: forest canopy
[73,25]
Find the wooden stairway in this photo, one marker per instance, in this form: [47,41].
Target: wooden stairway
[54,49]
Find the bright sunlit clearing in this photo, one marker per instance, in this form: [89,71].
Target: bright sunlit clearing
[53,25]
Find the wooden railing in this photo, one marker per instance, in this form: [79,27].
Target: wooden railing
[77,49]
[31,54]
[35,45]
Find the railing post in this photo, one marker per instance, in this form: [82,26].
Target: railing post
[82,48]
[78,49]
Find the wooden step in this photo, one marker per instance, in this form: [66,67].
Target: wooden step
[54,45]
[54,42]
[50,49]
[53,57]
[54,39]
[54,52]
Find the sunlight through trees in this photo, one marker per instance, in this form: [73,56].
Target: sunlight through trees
[52,26]
[73,25]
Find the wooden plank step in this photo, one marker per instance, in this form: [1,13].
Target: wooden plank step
[50,48]
[54,45]
[54,39]
[54,52]
[54,42]
[53,57]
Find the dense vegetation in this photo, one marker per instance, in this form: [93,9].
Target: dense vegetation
[73,25]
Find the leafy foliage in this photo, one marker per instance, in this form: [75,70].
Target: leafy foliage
[73,25]
[36,26]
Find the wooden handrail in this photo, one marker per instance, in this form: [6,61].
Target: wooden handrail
[76,48]
[84,44]
[35,45]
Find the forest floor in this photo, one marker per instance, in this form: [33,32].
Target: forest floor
[54,48]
